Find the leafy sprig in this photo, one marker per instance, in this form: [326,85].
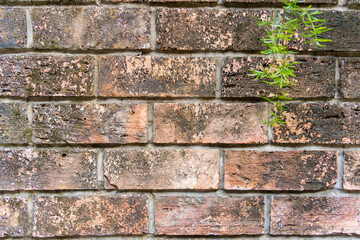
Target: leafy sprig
[287,27]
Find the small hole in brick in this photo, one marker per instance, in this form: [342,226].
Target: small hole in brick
[84,118]
[64,155]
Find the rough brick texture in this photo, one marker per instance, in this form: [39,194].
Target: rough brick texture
[96,215]
[290,170]
[320,123]
[315,78]
[351,179]
[208,29]
[13,217]
[276,2]
[126,76]
[13,28]
[162,169]
[209,215]
[295,215]
[14,123]
[210,123]
[48,169]
[25,76]
[350,77]
[90,123]
[91,28]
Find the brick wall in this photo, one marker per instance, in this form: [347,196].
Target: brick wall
[136,120]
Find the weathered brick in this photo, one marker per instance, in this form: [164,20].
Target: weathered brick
[127,76]
[185,1]
[209,215]
[25,76]
[285,171]
[162,169]
[95,215]
[209,29]
[60,2]
[210,123]
[47,169]
[352,170]
[14,123]
[13,217]
[89,123]
[350,77]
[321,123]
[13,28]
[278,2]
[315,78]
[295,215]
[91,28]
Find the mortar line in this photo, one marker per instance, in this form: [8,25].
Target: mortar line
[340,166]
[100,169]
[221,169]
[151,211]
[96,76]
[337,80]
[267,213]
[218,76]
[31,213]
[30,116]
[153,34]
[29,30]
[150,124]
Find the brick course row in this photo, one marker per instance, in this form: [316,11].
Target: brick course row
[147,77]
[57,216]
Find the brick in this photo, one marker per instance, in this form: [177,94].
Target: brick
[321,123]
[352,3]
[48,169]
[315,78]
[177,215]
[278,2]
[210,123]
[60,2]
[351,179]
[209,29]
[350,77]
[202,2]
[295,215]
[89,123]
[13,28]
[13,217]
[26,76]
[284,171]
[91,28]
[162,169]
[14,123]
[127,76]
[92,215]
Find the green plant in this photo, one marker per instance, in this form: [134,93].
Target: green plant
[286,28]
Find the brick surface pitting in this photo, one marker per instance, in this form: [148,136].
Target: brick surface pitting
[48,169]
[13,28]
[86,216]
[14,123]
[290,170]
[210,123]
[209,215]
[24,76]
[350,77]
[320,123]
[91,28]
[162,169]
[209,29]
[90,123]
[351,179]
[126,76]
[315,78]
[13,217]
[296,215]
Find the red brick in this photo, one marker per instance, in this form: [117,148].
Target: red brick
[14,123]
[91,28]
[321,123]
[285,171]
[315,78]
[350,77]
[90,123]
[210,123]
[127,76]
[13,28]
[209,215]
[86,216]
[295,215]
[13,217]
[278,2]
[32,2]
[48,169]
[162,169]
[352,170]
[25,76]
[209,29]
